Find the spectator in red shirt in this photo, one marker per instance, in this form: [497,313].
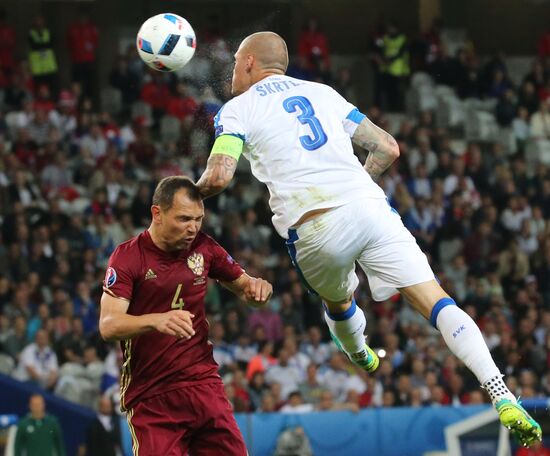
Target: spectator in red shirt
[313,45]
[82,38]
[544,45]
[7,44]
[43,100]
[156,94]
[142,151]
[181,104]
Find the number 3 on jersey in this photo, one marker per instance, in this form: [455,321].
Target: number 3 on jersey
[307,117]
[177,302]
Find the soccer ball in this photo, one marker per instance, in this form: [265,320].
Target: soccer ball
[166,42]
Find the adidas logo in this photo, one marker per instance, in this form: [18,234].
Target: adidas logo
[150,275]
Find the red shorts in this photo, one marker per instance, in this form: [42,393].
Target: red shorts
[191,421]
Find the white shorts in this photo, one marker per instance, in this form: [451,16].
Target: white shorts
[324,251]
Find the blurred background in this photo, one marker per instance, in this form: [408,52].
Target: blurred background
[86,132]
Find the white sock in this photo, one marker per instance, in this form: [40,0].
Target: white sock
[497,389]
[464,339]
[349,328]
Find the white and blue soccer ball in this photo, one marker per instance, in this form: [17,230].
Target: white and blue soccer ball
[166,42]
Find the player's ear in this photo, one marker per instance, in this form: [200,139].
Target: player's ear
[156,213]
[249,63]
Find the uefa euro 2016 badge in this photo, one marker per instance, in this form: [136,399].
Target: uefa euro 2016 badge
[110,277]
[196,263]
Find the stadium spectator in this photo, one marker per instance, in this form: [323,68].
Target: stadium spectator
[262,361]
[313,46]
[269,321]
[537,76]
[38,362]
[38,433]
[180,104]
[156,94]
[83,38]
[540,121]
[7,45]
[103,434]
[395,69]
[42,59]
[15,341]
[125,80]
[283,373]
[296,404]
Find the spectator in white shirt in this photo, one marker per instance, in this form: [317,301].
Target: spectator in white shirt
[283,373]
[297,359]
[423,154]
[95,142]
[318,351]
[520,125]
[540,121]
[38,362]
[516,212]
[335,377]
[296,404]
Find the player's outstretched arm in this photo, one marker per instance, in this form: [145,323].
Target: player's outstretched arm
[217,175]
[382,147]
[116,324]
[255,292]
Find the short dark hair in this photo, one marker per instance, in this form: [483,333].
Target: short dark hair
[167,188]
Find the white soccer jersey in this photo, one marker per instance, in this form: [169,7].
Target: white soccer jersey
[297,137]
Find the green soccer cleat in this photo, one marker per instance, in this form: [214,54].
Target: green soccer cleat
[513,416]
[365,359]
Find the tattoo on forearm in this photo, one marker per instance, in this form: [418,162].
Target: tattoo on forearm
[380,144]
[219,172]
[376,165]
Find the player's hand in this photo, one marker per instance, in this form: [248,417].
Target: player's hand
[258,292]
[178,323]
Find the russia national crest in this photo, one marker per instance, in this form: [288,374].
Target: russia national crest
[110,277]
[196,263]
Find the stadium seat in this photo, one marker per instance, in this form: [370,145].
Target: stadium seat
[450,112]
[518,67]
[111,100]
[481,126]
[458,146]
[454,39]
[420,79]
[395,120]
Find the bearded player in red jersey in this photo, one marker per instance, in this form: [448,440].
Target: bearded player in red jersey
[153,302]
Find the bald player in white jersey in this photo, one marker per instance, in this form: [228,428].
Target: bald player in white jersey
[298,138]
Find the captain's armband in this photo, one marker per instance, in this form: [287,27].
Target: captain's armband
[228,145]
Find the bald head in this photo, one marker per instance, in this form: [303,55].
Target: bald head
[259,56]
[269,49]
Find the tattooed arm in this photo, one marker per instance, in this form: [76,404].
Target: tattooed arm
[382,147]
[217,175]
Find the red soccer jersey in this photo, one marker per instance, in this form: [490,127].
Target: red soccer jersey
[156,281]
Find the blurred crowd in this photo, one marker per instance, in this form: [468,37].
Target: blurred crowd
[76,179]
